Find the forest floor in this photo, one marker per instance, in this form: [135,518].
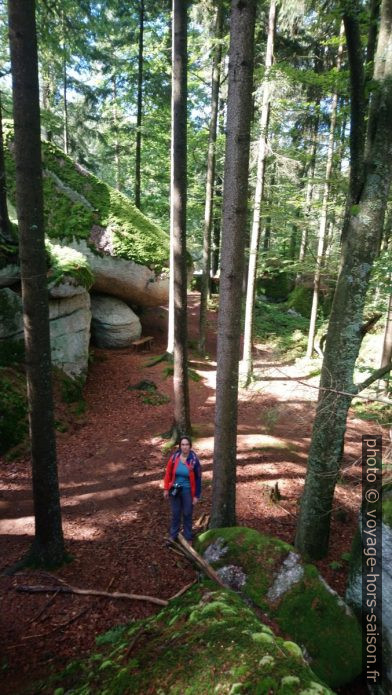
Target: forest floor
[115,519]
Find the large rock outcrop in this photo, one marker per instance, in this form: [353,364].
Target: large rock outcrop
[129,281]
[69,322]
[126,251]
[272,575]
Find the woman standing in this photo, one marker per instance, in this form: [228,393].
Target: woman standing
[182,483]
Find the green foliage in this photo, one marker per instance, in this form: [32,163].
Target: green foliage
[273,325]
[65,262]
[11,352]
[374,411]
[154,398]
[276,287]
[300,299]
[13,408]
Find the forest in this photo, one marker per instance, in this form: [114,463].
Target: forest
[196,347]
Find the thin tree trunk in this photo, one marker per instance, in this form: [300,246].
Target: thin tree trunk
[344,331]
[247,365]
[48,545]
[65,96]
[5,225]
[178,217]
[324,211]
[138,153]
[386,356]
[232,259]
[206,276]
[117,166]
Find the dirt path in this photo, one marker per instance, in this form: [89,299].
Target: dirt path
[115,519]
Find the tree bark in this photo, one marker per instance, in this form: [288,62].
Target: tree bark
[65,95]
[5,225]
[138,153]
[344,331]
[117,165]
[386,356]
[206,280]
[178,217]
[247,364]
[232,259]
[324,212]
[48,545]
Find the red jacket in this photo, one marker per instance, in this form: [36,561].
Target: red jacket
[194,468]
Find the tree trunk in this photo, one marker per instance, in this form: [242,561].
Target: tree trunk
[115,133]
[5,226]
[232,259]
[178,217]
[138,153]
[247,365]
[48,545]
[344,331]
[65,96]
[386,356]
[206,276]
[324,212]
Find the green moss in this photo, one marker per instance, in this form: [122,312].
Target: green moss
[305,612]
[276,287]
[11,352]
[171,654]
[257,554]
[300,299]
[66,263]
[75,201]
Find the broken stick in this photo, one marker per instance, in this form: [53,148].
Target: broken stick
[90,592]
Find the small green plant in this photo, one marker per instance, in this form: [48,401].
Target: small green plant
[375,412]
[270,417]
[154,398]
[335,565]
[111,636]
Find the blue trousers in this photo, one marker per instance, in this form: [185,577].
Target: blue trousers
[181,505]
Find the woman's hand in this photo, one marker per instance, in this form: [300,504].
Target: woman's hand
[195,500]
[166,494]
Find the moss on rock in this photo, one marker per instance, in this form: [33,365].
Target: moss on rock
[203,642]
[307,610]
[77,205]
[67,263]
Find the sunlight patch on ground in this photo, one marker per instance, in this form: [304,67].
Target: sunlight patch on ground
[104,495]
[255,442]
[24,525]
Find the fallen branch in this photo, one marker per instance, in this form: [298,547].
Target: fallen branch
[47,604]
[183,590]
[196,559]
[90,592]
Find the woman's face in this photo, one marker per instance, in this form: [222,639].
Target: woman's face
[185,447]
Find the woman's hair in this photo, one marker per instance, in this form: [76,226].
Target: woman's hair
[185,436]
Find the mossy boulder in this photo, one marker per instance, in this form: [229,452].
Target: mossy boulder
[77,205]
[295,596]
[276,287]
[206,641]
